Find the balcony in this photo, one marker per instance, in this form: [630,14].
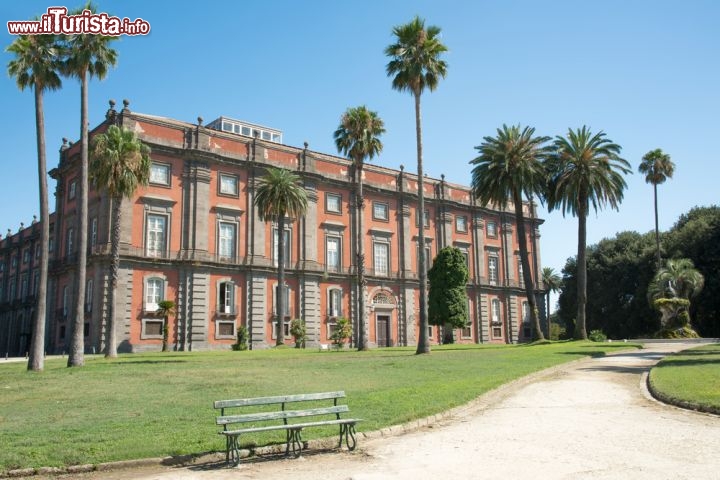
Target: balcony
[226,310]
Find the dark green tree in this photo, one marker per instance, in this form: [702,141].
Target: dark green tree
[358,138]
[280,194]
[657,167]
[448,301]
[36,65]
[415,65]
[88,56]
[120,164]
[509,168]
[585,170]
[696,235]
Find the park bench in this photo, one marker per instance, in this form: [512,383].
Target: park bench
[284,412]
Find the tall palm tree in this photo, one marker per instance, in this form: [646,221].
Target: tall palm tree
[509,167]
[552,281]
[657,167]
[88,56]
[357,137]
[414,66]
[279,194]
[120,164]
[36,65]
[584,170]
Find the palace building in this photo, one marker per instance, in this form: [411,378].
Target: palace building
[193,236]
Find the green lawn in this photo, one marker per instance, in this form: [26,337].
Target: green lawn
[691,378]
[149,405]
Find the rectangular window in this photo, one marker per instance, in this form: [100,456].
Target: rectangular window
[11,289]
[286,239]
[13,261]
[493,270]
[37,251]
[266,135]
[229,185]
[93,231]
[51,245]
[26,255]
[428,258]
[66,301]
[461,224]
[335,302]
[70,240]
[497,332]
[160,174]
[156,235]
[224,329]
[89,295]
[491,229]
[72,189]
[495,310]
[36,283]
[381,257]
[227,240]
[286,306]
[333,203]
[426,218]
[332,247]
[24,285]
[152,327]
[246,131]
[227,298]
[286,329]
[521,277]
[381,211]
[153,293]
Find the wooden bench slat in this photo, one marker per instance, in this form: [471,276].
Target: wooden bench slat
[290,426]
[280,415]
[304,397]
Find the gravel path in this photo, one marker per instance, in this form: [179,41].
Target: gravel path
[591,419]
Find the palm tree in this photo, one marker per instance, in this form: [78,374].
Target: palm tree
[120,163]
[36,64]
[552,281]
[416,65]
[165,309]
[279,193]
[670,291]
[510,167]
[357,137]
[657,167]
[88,56]
[584,170]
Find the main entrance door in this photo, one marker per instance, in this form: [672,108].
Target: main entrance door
[383,331]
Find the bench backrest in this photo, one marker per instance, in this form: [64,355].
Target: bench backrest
[284,413]
[281,399]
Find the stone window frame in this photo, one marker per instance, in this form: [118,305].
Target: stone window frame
[386,205]
[149,308]
[464,218]
[337,196]
[168,173]
[218,294]
[288,244]
[236,178]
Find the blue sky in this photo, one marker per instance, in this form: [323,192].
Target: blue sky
[645,72]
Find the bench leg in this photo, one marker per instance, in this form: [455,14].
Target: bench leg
[232,449]
[348,431]
[294,440]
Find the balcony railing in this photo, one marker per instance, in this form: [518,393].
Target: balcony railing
[226,310]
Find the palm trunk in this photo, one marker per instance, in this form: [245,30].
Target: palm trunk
[280,300]
[423,343]
[36,358]
[77,344]
[525,261]
[580,330]
[360,203]
[110,334]
[658,261]
[547,312]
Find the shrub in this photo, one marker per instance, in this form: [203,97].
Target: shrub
[242,339]
[557,331]
[343,331]
[597,336]
[297,330]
